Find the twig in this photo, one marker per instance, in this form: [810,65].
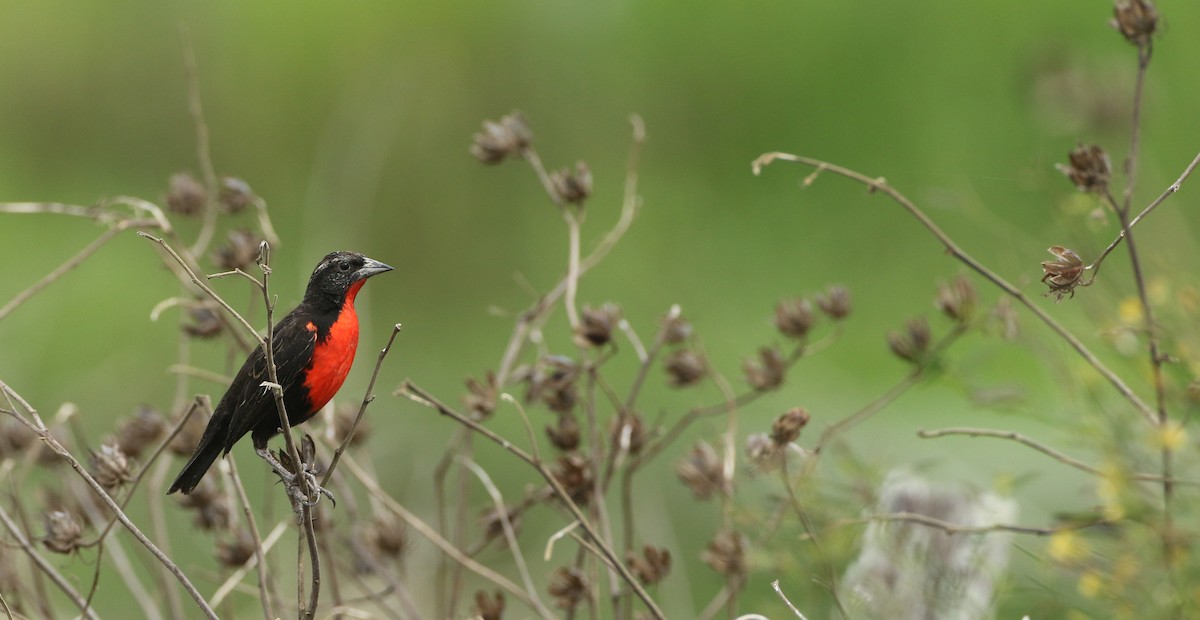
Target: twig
[368,397]
[880,185]
[45,566]
[779,591]
[954,528]
[225,588]
[203,156]
[265,594]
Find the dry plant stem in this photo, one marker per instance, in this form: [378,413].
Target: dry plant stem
[7,612]
[231,583]
[158,523]
[120,560]
[953,528]
[372,487]
[1044,449]
[779,591]
[420,396]
[510,536]
[45,566]
[265,591]
[599,507]
[71,263]
[958,253]
[44,434]
[203,156]
[368,398]
[806,523]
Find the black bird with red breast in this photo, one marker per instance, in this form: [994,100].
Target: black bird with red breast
[313,348]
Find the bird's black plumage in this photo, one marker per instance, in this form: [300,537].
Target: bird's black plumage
[312,347]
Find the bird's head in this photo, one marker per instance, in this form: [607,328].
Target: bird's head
[339,275]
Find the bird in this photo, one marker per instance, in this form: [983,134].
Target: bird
[313,348]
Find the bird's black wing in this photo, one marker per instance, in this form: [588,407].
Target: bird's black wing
[292,343]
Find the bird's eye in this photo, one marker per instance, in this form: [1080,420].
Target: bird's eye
[344,266]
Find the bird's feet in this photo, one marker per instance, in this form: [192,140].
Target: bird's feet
[300,482]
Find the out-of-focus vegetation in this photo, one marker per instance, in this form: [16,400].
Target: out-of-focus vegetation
[353,122]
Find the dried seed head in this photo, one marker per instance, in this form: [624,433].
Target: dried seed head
[572,187]
[702,472]
[568,587]
[344,416]
[911,344]
[489,606]
[764,453]
[235,551]
[685,367]
[240,252]
[794,317]
[14,436]
[235,194]
[628,433]
[212,507]
[957,299]
[786,428]
[63,532]
[675,328]
[111,467]
[508,138]
[596,325]
[553,382]
[726,553]
[1064,273]
[1136,20]
[188,437]
[480,399]
[385,536]
[141,431]
[767,373]
[565,435]
[1089,168]
[835,302]
[574,473]
[492,521]
[206,323]
[185,195]
[652,566]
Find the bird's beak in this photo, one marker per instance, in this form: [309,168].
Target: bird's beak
[370,267]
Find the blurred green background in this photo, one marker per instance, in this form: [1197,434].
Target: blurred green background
[353,121]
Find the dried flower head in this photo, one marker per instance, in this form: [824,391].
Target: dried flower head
[553,382]
[574,472]
[568,586]
[786,428]
[507,138]
[235,194]
[206,323]
[185,195]
[726,553]
[141,431]
[111,467]
[767,373]
[957,299]
[596,325]
[480,399]
[564,435]
[702,472]
[794,317]
[240,251]
[1089,168]
[212,507]
[344,416]
[835,302]
[489,606]
[628,433]
[572,187]
[911,344]
[652,566]
[685,367]
[1136,20]
[235,551]
[189,436]
[1064,273]
[764,453]
[63,532]
[675,328]
[385,536]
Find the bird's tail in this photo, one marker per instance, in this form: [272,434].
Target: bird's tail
[206,452]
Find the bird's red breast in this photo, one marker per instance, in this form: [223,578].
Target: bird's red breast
[333,356]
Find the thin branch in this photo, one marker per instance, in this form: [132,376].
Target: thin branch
[45,566]
[954,528]
[265,594]
[203,156]
[880,185]
[224,589]
[779,591]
